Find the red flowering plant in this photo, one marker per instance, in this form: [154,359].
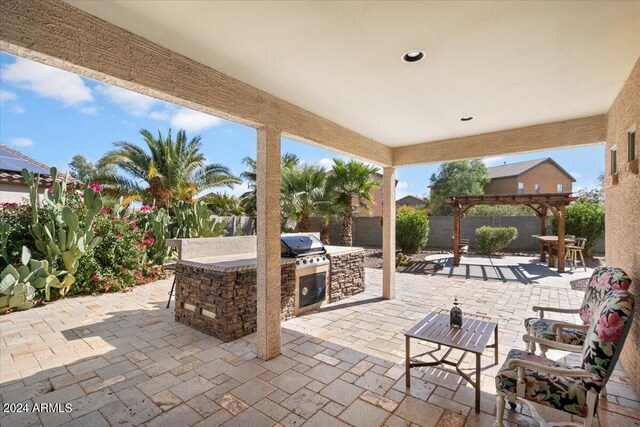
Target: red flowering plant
[119,261]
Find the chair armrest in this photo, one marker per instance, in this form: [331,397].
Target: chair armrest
[555,310]
[565,372]
[553,344]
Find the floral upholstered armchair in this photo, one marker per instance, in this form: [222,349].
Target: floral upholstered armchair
[568,336]
[527,377]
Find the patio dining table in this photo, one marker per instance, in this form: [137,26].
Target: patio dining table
[550,242]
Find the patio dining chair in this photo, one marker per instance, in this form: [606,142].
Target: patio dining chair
[526,377]
[576,250]
[552,332]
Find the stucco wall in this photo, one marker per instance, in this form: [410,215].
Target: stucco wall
[623,207]
[15,193]
[502,186]
[548,176]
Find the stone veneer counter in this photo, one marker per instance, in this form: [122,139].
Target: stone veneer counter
[218,295]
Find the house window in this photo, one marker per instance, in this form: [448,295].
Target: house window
[521,188]
[614,160]
[631,145]
[536,188]
[559,188]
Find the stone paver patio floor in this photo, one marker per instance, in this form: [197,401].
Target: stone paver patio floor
[121,359]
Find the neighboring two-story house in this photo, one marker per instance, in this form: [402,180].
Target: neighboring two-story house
[530,177]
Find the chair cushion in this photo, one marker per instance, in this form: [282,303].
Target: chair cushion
[603,280]
[565,393]
[607,333]
[541,328]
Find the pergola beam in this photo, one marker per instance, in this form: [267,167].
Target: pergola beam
[554,202]
[548,136]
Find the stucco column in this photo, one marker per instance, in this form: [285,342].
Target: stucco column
[268,228]
[389,233]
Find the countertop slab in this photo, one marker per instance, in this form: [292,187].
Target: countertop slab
[341,250]
[249,261]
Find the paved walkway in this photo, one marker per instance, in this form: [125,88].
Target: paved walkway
[120,359]
[526,270]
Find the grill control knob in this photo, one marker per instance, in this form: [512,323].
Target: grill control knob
[304,261]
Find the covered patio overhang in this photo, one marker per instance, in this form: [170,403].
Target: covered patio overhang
[101,40]
[541,204]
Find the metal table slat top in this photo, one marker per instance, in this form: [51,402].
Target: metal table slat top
[472,337]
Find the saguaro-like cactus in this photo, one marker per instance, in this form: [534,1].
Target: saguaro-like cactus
[62,236]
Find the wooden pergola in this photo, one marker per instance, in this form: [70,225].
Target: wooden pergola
[541,204]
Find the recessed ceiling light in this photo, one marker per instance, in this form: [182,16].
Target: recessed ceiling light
[414,55]
[466,119]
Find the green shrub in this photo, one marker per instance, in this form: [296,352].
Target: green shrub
[493,239]
[15,220]
[412,229]
[119,261]
[583,218]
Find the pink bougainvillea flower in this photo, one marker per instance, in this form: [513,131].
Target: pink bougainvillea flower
[119,236]
[145,208]
[133,225]
[610,328]
[96,187]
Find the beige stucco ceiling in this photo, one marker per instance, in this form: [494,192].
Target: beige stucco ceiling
[508,64]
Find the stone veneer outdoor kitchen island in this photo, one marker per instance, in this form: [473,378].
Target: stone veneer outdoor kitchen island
[217,295]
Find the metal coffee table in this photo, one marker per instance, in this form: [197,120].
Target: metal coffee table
[471,338]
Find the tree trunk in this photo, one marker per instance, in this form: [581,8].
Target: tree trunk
[303,225]
[347,238]
[324,233]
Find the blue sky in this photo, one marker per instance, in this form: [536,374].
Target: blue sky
[51,115]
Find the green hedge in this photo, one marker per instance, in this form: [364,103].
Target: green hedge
[412,229]
[583,218]
[493,239]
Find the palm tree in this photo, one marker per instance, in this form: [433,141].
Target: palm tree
[165,172]
[223,204]
[327,208]
[249,199]
[301,190]
[353,184]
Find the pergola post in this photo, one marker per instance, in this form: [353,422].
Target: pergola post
[268,251]
[561,241]
[389,233]
[543,232]
[456,239]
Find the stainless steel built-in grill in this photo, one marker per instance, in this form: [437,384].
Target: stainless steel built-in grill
[308,250]
[312,269]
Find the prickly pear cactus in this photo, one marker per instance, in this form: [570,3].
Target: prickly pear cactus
[403,261]
[196,221]
[62,236]
[18,286]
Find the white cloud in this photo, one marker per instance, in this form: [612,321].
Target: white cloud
[194,121]
[92,111]
[158,115]
[402,189]
[21,142]
[47,81]
[494,161]
[237,190]
[5,96]
[576,175]
[17,109]
[132,102]
[325,163]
